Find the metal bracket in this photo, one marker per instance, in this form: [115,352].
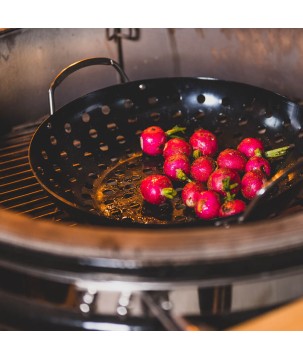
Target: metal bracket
[118,35]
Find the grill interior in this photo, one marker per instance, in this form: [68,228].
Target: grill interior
[19,190]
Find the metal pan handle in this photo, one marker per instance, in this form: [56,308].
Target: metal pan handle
[77,66]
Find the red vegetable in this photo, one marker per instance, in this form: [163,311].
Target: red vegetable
[204,143]
[202,168]
[258,163]
[224,181]
[230,158]
[177,167]
[177,146]
[232,207]
[251,146]
[155,189]
[191,192]
[208,205]
[252,182]
[152,140]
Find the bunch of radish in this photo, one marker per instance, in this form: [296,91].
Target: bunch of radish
[212,180]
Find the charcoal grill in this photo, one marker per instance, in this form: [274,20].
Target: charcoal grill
[62,269]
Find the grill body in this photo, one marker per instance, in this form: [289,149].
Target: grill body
[75,275]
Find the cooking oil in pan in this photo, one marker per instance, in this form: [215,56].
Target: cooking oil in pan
[116,194]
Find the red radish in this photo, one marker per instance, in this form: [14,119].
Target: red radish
[175,146]
[230,158]
[232,207]
[191,192]
[252,182]
[152,140]
[204,143]
[155,189]
[251,146]
[258,163]
[177,167]
[224,181]
[207,205]
[202,168]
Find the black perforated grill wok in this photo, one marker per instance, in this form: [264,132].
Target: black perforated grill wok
[87,154]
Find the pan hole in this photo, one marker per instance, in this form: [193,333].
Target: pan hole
[102,166]
[105,110]
[111,126]
[261,130]
[155,116]
[132,120]
[85,117]
[129,186]
[242,122]
[134,205]
[180,206]
[128,195]
[108,192]
[201,98]
[199,115]
[142,87]
[68,128]
[222,118]
[177,114]
[92,175]
[64,155]
[138,132]
[120,139]
[147,171]
[153,100]
[77,143]
[128,103]
[279,138]
[57,168]
[87,154]
[300,134]
[104,148]
[218,132]
[225,101]
[111,182]
[114,159]
[93,133]
[72,180]
[44,154]
[53,140]
[262,112]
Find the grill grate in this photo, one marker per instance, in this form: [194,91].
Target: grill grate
[19,190]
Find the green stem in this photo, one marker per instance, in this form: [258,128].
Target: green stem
[169,192]
[174,130]
[277,152]
[196,154]
[182,176]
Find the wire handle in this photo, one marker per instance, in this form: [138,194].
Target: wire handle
[77,66]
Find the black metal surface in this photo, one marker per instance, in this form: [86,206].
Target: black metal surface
[80,155]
